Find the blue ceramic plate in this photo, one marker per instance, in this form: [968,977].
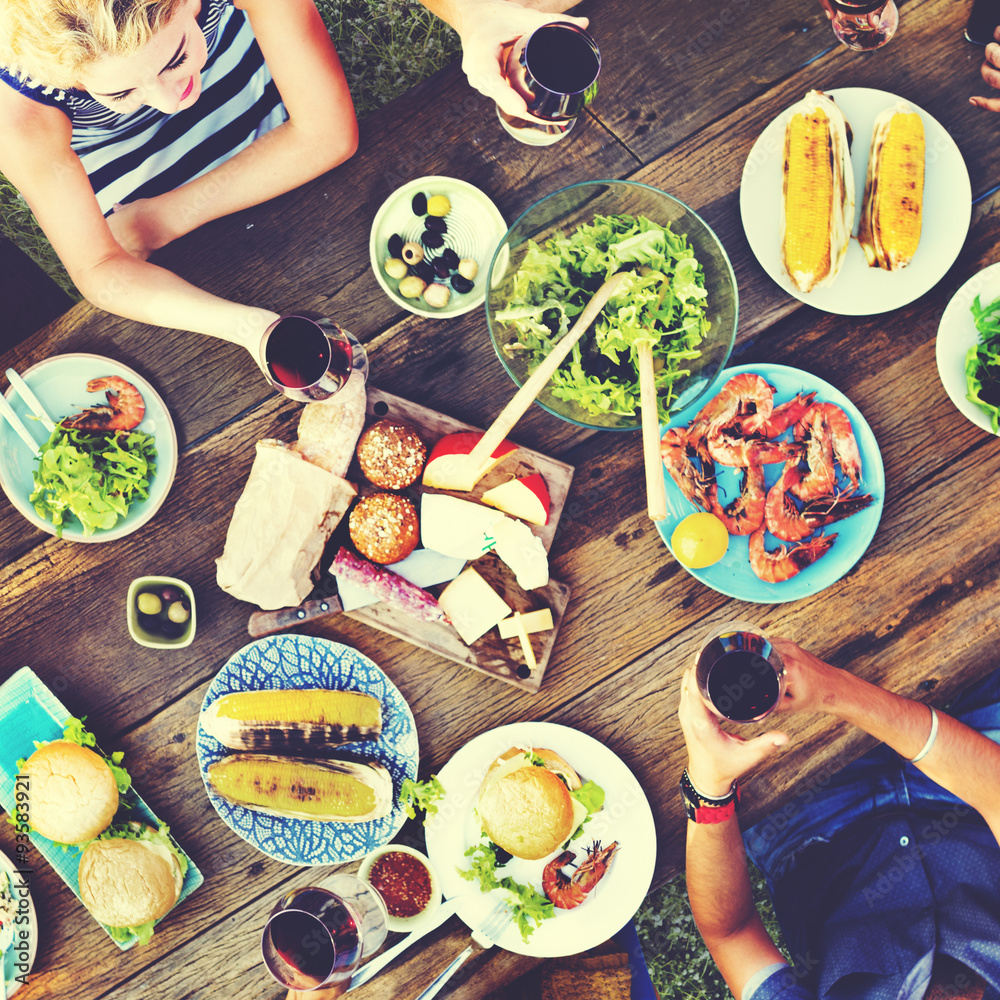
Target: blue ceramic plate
[302,661]
[60,383]
[732,575]
[30,712]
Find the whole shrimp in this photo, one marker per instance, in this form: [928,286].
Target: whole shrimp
[124,409]
[679,459]
[784,519]
[826,431]
[746,513]
[782,417]
[567,891]
[785,561]
[732,449]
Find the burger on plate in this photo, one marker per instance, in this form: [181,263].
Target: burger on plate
[527,804]
[72,792]
[130,878]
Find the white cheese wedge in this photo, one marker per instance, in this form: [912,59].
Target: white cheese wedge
[457,527]
[522,550]
[473,606]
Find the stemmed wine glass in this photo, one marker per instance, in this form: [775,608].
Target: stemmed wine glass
[309,358]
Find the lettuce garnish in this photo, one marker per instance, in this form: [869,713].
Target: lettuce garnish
[556,280]
[95,476]
[982,362]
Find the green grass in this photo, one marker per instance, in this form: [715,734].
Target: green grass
[385,46]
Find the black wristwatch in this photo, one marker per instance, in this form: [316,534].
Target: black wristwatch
[701,808]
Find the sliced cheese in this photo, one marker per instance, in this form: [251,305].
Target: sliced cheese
[522,550]
[473,606]
[533,621]
[457,527]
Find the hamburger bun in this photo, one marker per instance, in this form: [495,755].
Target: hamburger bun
[126,883]
[73,794]
[526,808]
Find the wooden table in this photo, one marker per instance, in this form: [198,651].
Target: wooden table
[686,89]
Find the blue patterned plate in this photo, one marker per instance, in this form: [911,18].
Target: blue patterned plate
[302,661]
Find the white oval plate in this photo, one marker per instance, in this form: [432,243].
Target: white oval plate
[60,383]
[957,333]
[626,817]
[24,922]
[475,229]
[860,290]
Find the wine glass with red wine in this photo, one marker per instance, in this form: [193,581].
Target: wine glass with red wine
[555,70]
[309,358]
[317,936]
[739,673]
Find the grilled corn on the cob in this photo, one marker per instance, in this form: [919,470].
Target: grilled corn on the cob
[817,192]
[294,720]
[325,790]
[894,191]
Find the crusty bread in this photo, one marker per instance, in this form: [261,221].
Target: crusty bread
[329,430]
[125,883]
[527,811]
[73,794]
[384,527]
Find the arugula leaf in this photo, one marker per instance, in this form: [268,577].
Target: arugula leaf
[555,281]
[982,362]
[424,795]
[94,476]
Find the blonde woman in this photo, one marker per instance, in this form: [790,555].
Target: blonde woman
[128,123]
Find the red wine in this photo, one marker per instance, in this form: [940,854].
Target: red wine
[561,60]
[741,682]
[299,354]
[304,949]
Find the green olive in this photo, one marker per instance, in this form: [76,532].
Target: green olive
[412,287]
[148,603]
[396,268]
[179,611]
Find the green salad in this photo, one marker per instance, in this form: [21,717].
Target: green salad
[94,476]
[663,304]
[982,363]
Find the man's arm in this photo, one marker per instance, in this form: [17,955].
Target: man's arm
[321,132]
[961,760]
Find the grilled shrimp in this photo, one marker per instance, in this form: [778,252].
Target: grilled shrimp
[124,409]
[567,891]
[785,561]
[744,514]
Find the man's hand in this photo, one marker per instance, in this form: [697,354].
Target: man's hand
[809,682]
[139,228]
[717,758]
[990,71]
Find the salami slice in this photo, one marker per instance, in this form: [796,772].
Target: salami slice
[388,586]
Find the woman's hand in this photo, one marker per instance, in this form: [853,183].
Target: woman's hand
[990,71]
[809,682]
[717,758]
[486,28]
[139,228]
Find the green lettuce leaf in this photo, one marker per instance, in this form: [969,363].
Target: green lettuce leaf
[423,795]
[982,362]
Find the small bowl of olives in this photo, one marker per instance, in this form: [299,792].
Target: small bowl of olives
[161,612]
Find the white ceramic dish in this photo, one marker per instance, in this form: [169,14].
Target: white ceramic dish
[860,290]
[626,817]
[60,383]
[475,229]
[424,917]
[24,928]
[957,333]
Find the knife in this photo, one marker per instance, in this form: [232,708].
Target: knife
[268,622]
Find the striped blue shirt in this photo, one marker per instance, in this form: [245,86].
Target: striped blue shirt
[146,153]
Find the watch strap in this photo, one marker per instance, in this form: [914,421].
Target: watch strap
[701,808]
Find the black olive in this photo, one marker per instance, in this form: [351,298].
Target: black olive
[419,203]
[172,630]
[441,268]
[460,284]
[395,245]
[432,240]
[423,270]
[450,257]
[151,623]
[436,224]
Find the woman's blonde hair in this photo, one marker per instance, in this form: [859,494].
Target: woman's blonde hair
[51,41]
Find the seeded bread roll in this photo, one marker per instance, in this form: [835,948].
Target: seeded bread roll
[391,455]
[384,527]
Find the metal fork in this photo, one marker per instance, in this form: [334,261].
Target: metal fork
[486,936]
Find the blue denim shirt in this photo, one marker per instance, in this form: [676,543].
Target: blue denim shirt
[865,913]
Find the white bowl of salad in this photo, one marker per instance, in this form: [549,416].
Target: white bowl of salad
[682,295]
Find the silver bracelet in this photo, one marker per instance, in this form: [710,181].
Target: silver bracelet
[930,739]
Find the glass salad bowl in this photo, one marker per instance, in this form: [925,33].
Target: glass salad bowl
[528,294]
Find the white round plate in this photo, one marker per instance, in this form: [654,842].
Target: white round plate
[22,922]
[732,575]
[475,229]
[60,383]
[860,290]
[303,661]
[626,817]
[957,333]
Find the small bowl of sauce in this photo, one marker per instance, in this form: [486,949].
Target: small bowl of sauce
[407,883]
